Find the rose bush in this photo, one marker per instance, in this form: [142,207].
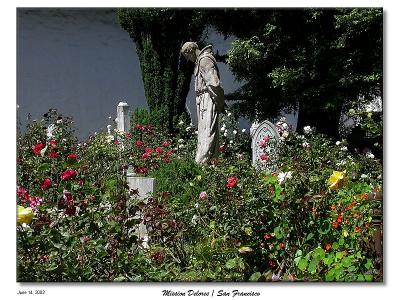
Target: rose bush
[305,215]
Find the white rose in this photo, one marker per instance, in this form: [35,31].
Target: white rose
[307,129]
[181,141]
[305,145]
[243,130]
[230,142]
[344,148]
[225,133]
[363,176]
[234,132]
[229,114]
[337,143]
[370,155]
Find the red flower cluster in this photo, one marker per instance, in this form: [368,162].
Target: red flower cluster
[46,184]
[53,143]
[336,224]
[267,236]
[23,194]
[141,170]
[328,247]
[68,174]
[72,156]
[139,144]
[159,150]
[53,154]
[70,210]
[165,144]
[144,127]
[38,148]
[24,197]
[232,182]
[264,157]
[282,246]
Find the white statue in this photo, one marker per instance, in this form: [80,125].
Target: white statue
[209,99]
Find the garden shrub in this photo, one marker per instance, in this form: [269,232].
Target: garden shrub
[308,219]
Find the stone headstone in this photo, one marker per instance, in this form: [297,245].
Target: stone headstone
[145,187]
[123,119]
[264,137]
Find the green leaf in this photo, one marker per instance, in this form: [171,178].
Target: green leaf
[255,276]
[309,236]
[335,246]
[330,275]
[248,231]
[230,264]
[347,261]
[339,255]
[303,263]
[312,267]
[341,242]
[319,253]
[368,277]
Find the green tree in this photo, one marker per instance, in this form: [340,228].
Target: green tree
[159,35]
[319,61]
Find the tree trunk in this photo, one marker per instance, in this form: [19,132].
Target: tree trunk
[325,121]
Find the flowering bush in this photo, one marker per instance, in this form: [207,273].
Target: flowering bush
[309,219]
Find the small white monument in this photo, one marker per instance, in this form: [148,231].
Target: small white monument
[145,187]
[264,137]
[123,119]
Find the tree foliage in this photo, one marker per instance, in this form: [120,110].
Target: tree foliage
[319,61]
[159,35]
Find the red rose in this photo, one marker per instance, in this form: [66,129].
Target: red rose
[267,236]
[335,224]
[68,174]
[72,156]
[37,148]
[282,246]
[139,127]
[139,144]
[145,155]
[165,144]
[166,159]
[232,182]
[141,170]
[357,230]
[148,150]
[53,154]
[127,135]
[264,157]
[169,152]
[328,247]
[46,184]
[159,150]
[340,218]
[53,143]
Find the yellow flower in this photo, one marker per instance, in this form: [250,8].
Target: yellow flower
[336,180]
[245,249]
[25,215]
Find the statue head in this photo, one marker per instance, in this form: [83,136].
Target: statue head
[189,51]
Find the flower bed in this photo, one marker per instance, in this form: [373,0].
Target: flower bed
[227,221]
